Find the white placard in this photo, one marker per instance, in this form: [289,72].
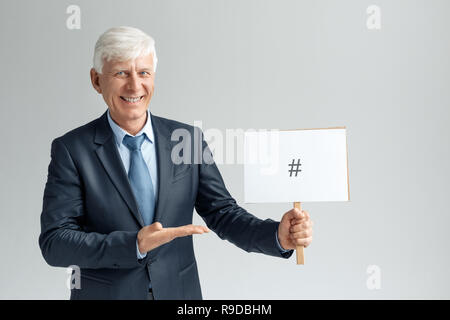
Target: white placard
[296,166]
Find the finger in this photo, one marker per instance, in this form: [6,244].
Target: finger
[155,226]
[188,230]
[301,235]
[298,216]
[306,215]
[294,213]
[299,221]
[308,242]
[303,242]
[301,226]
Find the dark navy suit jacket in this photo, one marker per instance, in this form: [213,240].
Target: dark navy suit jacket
[90,217]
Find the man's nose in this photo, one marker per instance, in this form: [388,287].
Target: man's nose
[133,82]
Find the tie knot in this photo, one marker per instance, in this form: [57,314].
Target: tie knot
[133,143]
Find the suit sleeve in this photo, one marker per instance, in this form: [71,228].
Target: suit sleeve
[63,241]
[230,221]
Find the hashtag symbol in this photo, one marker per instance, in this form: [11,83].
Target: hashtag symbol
[292,165]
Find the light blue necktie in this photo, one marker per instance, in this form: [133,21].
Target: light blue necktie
[140,179]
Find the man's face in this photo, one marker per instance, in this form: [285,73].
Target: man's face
[126,86]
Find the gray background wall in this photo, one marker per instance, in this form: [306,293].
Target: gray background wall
[253,64]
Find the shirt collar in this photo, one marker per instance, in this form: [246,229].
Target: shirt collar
[120,133]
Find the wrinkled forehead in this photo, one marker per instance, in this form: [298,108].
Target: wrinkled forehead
[141,62]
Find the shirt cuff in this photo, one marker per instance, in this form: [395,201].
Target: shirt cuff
[278,244]
[139,255]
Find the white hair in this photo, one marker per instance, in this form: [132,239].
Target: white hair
[123,44]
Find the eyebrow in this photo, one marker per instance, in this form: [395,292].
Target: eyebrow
[125,69]
[117,70]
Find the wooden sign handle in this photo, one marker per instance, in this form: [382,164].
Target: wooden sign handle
[300,254]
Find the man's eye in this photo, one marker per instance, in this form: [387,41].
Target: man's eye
[144,73]
[120,73]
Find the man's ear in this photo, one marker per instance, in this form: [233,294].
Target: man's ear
[95,80]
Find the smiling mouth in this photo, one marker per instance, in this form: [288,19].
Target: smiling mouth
[131,99]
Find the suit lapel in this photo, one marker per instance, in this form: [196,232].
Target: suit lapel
[110,159]
[164,164]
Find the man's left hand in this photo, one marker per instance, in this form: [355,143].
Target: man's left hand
[295,229]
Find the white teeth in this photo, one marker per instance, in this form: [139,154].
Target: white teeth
[132,99]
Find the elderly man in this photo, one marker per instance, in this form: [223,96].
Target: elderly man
[118,207]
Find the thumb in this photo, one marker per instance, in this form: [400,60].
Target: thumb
[294,213]
[156,226]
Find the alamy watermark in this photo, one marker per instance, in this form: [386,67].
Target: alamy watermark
[373,282]
[373,21]
[74,280]
[227,148]
[74,19]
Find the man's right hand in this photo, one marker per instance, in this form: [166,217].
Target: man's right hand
[154,235]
